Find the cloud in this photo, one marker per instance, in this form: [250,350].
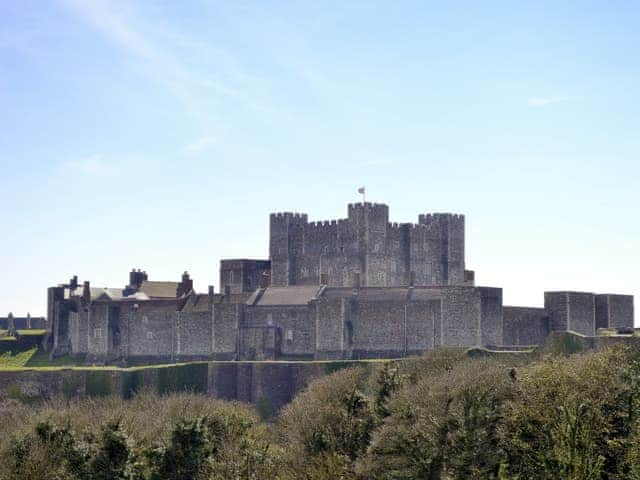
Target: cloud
[199,145]
[544,101]
[174,59]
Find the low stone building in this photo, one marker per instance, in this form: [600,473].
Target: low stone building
[359,287]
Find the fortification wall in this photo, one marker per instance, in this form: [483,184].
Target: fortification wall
[378,329]
[272,384]
[258,343]
[285,243]
[444,243]
[492,316]
[97,325]
[614,311]
[295,327]
[582,313]
[227,317]
[556,304]
[461,316]
[382,253]
[151,331]
[525,326]
[330,328]
[193,334]
[398,250]
[573,311]
[79,332]
[421,321]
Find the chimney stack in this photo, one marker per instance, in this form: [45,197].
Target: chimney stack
[186,285]
[136,277]
[86,292]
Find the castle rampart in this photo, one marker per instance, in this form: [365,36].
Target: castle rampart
[357,287]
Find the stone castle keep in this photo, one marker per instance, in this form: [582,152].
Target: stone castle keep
[359,287]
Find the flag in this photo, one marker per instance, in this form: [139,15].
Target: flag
[361,190]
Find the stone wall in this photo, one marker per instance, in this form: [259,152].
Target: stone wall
[193,338]
[366,250]
[556,304]
[582,313]
[573,311]
[226,319]
[461,316]
[272,383]
[330,327]
[492,316]
[614,311]
[524,326]
[294,325]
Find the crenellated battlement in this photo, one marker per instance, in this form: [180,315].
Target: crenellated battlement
[323,224]
[430,252]
[291,217]
[433,217]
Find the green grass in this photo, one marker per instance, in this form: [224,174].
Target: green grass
[33,357]
[7,360]
[41,359]
[32,332]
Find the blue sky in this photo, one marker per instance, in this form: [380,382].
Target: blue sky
[160,135]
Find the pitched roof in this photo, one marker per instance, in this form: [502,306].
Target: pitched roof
[160,289]
[197,303]
[294,295]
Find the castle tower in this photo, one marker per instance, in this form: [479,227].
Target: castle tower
[371,221]
[286,237]
[444,248]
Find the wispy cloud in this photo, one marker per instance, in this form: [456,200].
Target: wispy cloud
[199,145]
[544,101]
[164,56]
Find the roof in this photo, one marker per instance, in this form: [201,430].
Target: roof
[160,289]
[293,295]
[197,303]
[233,298]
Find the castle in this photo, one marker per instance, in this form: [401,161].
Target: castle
[359,287]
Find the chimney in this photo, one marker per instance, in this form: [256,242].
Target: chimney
[86,292]
[186,285]
[265,279]
[211,297]
[73,283]
[136,277]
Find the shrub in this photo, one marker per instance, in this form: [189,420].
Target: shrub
[131,383]
[331,418]
[98,383]
[191,377]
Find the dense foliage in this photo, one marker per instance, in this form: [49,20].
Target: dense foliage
[443,416]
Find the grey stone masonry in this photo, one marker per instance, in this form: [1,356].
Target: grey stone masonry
[357,287]
[365,249]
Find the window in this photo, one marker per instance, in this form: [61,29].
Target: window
[149,335]
[97,333]
[289,336]
[145,319]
